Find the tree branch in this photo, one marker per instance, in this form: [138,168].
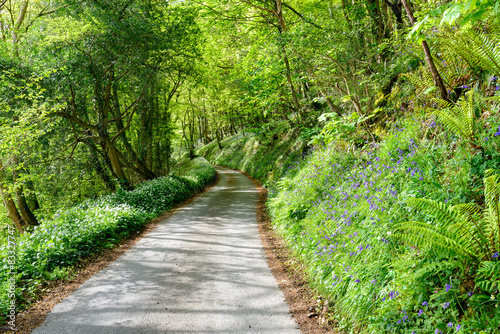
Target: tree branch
[259,7]
[302,16]
[2,4]
[134,105]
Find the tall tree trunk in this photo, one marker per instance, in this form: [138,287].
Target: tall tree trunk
[9,204]
[438,81]
[99,167]
[12,212]
[116,165]
[140,165]
[16,27]
[23,207]
[282,28]
[32,198]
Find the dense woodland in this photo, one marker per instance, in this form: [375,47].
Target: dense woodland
[402,97]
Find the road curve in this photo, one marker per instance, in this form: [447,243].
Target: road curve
[200,271]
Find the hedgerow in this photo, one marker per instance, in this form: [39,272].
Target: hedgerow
[57,244]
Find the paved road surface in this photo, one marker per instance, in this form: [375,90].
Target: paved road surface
[201,271]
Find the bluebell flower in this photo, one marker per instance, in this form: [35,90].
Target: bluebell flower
[495,255]
[448,287]
[498,132]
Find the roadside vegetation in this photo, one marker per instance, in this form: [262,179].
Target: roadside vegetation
[57,243]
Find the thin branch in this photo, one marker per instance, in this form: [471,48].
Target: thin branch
[302,16]
[2,4]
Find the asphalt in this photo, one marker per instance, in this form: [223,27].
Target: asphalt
[200,271]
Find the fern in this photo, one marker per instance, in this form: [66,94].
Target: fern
[489,276]
[465,230]
[461,117]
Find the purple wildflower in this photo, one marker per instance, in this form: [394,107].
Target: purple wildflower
[424,303]
[445,305]
[495,255]
[498,132]
[420,312]
[448,287]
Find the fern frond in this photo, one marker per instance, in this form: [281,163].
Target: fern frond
[464,229]
[492,212]
[478,49]
[435,267]
[439,210]
[427,235]
[461,117]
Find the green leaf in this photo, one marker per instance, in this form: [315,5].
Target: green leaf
[451,14]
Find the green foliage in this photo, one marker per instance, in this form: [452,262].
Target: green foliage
[461,118]
[460,230]
[71,235]
[260,156]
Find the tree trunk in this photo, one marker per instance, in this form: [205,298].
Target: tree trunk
[283,28]
[12,212]
[9,204]
[32,198]
[140,165]
[116,165]
[99,167]
[438,82]
[23,207]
